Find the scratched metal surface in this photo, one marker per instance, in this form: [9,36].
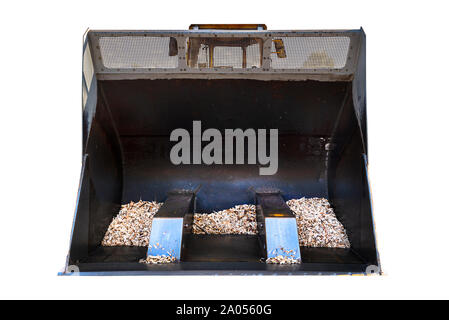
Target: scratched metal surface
[282,238]
[166,237]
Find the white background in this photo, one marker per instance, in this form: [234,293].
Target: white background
[40,75]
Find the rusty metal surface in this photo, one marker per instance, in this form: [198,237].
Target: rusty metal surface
[228,26]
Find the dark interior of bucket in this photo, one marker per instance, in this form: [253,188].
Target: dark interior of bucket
[128,158]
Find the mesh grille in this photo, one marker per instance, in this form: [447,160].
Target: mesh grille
[228,57]
[235,53]
[311,53]
[253,56]
[137,52]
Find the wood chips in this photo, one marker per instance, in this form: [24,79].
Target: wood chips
[317,224]
[158,259]
[132,226]
[282,260]
[240,219]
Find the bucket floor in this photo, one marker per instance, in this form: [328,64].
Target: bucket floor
[222,248]
[329,255]
[117,254]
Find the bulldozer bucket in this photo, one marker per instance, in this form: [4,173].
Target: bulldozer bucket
[298,101]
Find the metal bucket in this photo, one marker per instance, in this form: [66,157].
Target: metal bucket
[140,86]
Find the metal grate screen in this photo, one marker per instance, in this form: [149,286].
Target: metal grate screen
[232,53]
[228,57]
[137,52]
[309,52]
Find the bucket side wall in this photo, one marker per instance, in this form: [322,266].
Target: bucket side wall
[348,184]
[102,182]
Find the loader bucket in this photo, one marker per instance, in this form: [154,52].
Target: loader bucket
[139,87]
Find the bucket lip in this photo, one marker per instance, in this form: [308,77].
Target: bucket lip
[225,268]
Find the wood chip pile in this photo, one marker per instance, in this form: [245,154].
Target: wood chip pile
[132,226]
[317,224]
[282,260]
[240,219]
[158,259]
[288,257]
